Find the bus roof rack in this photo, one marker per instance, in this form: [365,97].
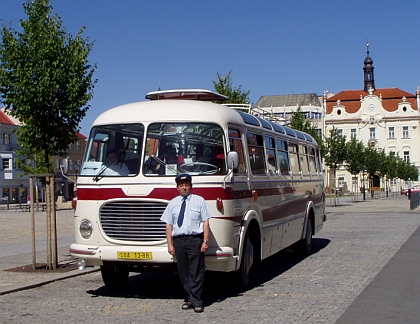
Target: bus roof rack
[185,94]
[258,112]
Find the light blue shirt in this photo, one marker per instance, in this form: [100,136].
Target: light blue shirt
[196,212]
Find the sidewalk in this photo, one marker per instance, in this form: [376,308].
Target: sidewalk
[393,296]
[16,249]
[12,240]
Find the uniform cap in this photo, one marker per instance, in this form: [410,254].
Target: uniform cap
[183,176]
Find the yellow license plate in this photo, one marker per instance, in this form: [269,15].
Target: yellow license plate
[135,255]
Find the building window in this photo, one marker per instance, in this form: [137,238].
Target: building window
[340,132]
[407,156]
[353,133]
[71,146]
[372,133]
[6,164]
[78,146]
[391,133]
[405,132]
[5,138]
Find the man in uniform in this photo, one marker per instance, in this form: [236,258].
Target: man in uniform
[187,232]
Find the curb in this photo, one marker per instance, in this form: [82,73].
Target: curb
[38,283]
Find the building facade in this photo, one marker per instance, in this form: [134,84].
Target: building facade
[384,118]
[14,184]
[283,106]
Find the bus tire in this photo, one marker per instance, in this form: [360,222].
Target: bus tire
[242,275]
[113,277]
[304,246]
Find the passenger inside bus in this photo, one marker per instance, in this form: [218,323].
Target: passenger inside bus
[168,157]
[114,166]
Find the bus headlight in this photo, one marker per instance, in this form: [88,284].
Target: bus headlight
[85,229]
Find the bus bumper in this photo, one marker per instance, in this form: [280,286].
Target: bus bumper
[217,259]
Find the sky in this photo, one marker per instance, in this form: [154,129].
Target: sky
[272,47]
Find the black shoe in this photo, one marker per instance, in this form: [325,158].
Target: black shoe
[187,305]
[198,309]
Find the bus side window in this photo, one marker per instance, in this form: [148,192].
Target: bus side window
[303,150]
[312,163]
[256,153]
[283,158]
[318,161]
[294,159]
[271,155]
[235,144]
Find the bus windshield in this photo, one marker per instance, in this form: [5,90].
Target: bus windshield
[113,151]
[194,148]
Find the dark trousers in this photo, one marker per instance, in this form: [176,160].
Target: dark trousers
[191,266]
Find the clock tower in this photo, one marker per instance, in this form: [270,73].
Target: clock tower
[368,71]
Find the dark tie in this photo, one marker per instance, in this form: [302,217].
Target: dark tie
[181,212]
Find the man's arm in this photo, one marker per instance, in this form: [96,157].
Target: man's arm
[171,249]
[206,234]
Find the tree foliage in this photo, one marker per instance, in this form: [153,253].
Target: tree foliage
[224,86]
[299,122]
[372,161]
[335,149]
[406,170]
[355,156]
[45,80]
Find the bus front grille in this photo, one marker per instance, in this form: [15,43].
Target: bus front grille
[133,221]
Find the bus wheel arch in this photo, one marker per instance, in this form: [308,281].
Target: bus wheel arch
[304,246]
[250,256]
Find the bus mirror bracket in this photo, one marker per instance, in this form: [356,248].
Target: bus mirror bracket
[64,166]
[233,163]
[232,160]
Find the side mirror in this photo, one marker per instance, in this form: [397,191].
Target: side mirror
[232,160]
[65,165]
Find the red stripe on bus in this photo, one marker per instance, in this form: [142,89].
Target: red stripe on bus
[169,193]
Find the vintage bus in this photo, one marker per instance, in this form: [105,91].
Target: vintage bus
[263,181]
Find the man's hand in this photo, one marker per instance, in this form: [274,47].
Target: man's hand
[204,247]
[171,249]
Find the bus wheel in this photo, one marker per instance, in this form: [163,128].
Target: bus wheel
[304,246]
[242,275]
[114,277]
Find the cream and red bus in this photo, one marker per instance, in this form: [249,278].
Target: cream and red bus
[263,181]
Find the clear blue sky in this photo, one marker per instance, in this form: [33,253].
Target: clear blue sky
[272,47]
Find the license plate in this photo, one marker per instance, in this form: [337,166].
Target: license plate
[135,255]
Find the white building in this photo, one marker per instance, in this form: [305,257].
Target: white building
[283,106]
[386,118]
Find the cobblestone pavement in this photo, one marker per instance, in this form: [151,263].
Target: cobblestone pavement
[356,242]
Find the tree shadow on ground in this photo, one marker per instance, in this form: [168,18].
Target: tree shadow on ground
[165,284]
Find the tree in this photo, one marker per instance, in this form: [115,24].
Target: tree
[406,170]
[45,80]
[382,166]
[299,122]
[224,87]
[355,157]
[335,151]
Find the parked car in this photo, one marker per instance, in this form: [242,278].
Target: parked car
[414,189]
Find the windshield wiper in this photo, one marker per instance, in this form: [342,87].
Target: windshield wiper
[161,162]
[99,176]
